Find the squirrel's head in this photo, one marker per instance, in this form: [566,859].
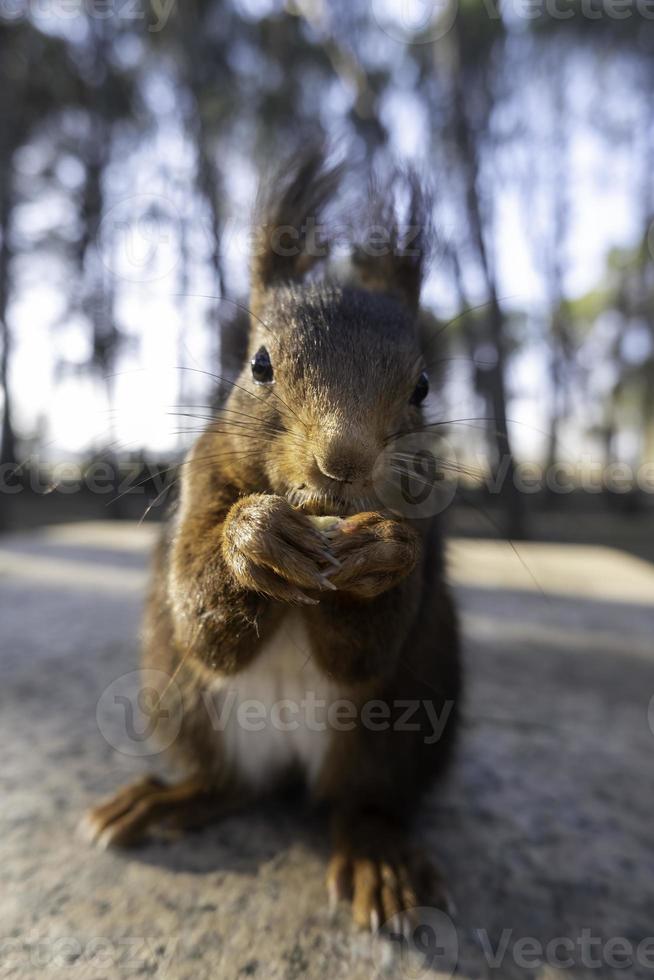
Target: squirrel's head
[334,371]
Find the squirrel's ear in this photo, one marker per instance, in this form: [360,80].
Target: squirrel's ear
[288,238]
[392,257]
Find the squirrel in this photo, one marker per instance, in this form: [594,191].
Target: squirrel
[282,582]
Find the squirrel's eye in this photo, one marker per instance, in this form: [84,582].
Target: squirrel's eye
[421,390]
[262,370]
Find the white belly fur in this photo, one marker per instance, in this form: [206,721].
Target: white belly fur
[273,688]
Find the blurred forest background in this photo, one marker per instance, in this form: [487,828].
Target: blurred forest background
[131,135]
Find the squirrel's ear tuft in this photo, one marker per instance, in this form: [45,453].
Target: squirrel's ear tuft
[288,238]
[391,256]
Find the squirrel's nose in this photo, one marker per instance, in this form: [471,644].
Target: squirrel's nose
[345,464]
[341,474]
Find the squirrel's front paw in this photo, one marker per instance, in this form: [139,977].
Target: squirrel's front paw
[375,553]
[274,549]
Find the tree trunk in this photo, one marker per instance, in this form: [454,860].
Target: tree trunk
[647,454]
[8,452]
[500,442]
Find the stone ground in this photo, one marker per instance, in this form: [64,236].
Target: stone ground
[544,828]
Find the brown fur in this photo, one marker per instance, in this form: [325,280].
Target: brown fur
[240,549]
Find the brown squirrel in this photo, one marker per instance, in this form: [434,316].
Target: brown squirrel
[256,600]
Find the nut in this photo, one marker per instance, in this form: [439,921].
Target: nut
[324,523]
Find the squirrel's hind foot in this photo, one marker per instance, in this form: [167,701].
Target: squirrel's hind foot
[125,818]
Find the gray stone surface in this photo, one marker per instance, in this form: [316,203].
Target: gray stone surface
[544,829]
